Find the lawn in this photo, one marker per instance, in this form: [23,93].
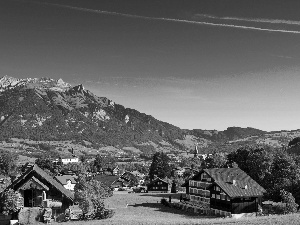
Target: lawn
[145,208]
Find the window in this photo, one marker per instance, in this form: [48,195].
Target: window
[213,196]
[217,188]
[218,196]
[207,194]
[227,198]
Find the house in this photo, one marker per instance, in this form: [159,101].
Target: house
[120,183]
[112,181]
[108,180]
[224,191]
[68,181]
[137,174]
[129,178]
[179,171]
[158,185]
[115,171]
[63,161]
[37,188]
[140,176]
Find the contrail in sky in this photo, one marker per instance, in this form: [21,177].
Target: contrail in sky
[258,20]
[190,21]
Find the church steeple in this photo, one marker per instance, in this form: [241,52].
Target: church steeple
[196,151]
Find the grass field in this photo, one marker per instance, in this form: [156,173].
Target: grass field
[145,208]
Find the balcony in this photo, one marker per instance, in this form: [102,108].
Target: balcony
[49,203]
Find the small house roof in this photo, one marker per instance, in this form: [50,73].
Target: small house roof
[158,179]
[108,180]
[64,178]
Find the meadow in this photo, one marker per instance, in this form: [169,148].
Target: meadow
[145,208]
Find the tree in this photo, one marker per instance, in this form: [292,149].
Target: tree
[256,162]
[285,174]
[101,162]
[216,160]
[288,198]
[9,202]
[160,166]
[295,141]
[7,162]
[78,168]
[45,163]
[90,195]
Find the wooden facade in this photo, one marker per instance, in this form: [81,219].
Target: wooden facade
[227,191]
[158,185]
[38,189]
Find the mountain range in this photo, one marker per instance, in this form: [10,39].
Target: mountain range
[44,109]
[47,109]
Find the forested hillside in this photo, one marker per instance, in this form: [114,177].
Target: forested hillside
[36,111]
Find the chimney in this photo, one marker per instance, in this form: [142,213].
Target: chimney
[234,182]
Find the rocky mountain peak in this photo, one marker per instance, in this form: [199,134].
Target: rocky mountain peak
[48,109]
[7,82]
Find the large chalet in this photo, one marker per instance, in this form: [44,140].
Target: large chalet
[224,191]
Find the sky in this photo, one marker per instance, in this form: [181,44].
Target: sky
[197,64]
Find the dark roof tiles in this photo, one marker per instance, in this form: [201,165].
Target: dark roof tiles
[47,177]
[233,181]
[64,179]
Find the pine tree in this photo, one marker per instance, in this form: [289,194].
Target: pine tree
[160,166]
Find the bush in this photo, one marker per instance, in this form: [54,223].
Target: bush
[9,202]
[164,202]
[29,216]
[106,213]
[288,198]
[279,209]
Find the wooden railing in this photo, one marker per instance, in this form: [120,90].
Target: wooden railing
[49,203]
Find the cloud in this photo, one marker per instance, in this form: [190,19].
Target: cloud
[190,21]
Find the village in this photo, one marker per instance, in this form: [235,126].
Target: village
[204,192]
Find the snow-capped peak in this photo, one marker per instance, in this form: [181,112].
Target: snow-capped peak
[7,82]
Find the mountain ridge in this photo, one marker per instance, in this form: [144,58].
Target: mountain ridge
[44,109]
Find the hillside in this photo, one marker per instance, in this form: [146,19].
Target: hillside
[47,109]
[43,109]
[230,134]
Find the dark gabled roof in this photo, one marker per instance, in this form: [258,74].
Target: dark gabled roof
[64,178]
[108,180]
[158,179]
[227,174]
[129,177]
[234,191]
[244,185]
[46,177]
